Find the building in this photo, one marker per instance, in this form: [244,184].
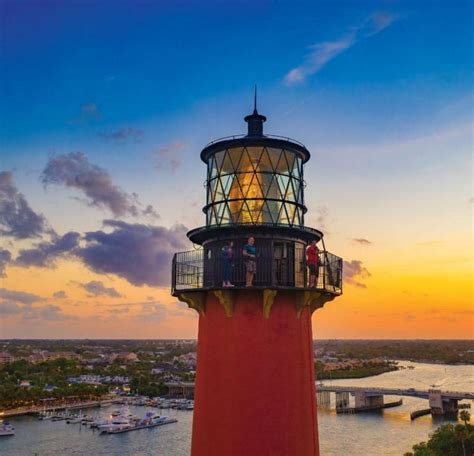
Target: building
[255,385]
[6,358]
[127,357]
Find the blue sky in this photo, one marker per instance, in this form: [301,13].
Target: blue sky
[380,92]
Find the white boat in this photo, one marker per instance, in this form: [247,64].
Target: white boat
[75,419]
[100,421]
[123,421]
[152,418]
[6,429]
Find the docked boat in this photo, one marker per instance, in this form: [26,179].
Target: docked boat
[122,421]
[6,429]
[150,420]
[75,419]
[99,421]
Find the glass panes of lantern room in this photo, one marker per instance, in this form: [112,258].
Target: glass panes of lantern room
[253,185]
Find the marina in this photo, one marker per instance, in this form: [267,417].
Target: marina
[339,434]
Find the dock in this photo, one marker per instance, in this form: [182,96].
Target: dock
[142,426]
[367,408]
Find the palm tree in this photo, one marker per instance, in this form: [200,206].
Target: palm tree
[465,416]
[462,435]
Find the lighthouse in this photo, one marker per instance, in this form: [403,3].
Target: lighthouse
[255,381]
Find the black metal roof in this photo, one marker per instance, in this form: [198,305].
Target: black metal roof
[278,142]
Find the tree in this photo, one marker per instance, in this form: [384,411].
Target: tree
[447,440]
[465,416]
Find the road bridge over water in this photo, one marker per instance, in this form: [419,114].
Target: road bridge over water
[371,398]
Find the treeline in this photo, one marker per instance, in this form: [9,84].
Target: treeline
[367,369]
[448,440]
[444,351]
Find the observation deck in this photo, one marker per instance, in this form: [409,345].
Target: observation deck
[200,270]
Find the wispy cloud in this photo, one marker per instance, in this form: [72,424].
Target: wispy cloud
[169,157]
[17,218]
[87,112]
[123,135]
[97,288]
[60,294]
[322,53]
[74,170]
[5,258]
[354,271]
[44,254]
[19,296]
[362,241]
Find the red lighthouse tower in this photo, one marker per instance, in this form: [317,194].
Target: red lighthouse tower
[255,382]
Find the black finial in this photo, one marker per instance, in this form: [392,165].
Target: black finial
[255,100]
[255,120]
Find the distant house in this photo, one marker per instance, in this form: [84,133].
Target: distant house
[188,360]
[6,358]
[25,384]
[128,357]
[44,355]
[49,388]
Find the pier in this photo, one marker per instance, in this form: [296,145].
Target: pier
[33,409]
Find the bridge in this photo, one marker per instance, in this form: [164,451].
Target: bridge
[366,398]
[372,398]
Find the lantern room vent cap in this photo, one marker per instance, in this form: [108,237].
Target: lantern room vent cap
[255,120]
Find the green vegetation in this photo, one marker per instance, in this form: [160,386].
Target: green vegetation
[448,440]
[49,372]
[442,351]
[366,369]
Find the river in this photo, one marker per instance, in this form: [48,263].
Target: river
[385,433]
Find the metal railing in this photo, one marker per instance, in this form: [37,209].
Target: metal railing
[204,269]
[231,137]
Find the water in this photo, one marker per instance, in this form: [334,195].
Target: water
[385,433]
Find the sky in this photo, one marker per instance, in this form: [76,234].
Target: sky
[107,105]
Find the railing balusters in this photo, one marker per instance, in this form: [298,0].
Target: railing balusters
[202,269]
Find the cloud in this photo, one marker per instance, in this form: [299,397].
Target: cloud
[353,270]
[97,288]
[19,296]
[322,217]
[155,312]
[322,53]
[362,241]
[9,308]
[61,294]
[123,135]
[44,254]
[5,259]
[168,157]
[150,212]
[88,112]
[48,312]
[139,253]
[75,171]
[17,219]
[431,243]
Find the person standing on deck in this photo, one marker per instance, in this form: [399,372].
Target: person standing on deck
[250,258]
[227,254]
[312,262]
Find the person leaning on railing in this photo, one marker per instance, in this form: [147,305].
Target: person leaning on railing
[250,258]
[312,257]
